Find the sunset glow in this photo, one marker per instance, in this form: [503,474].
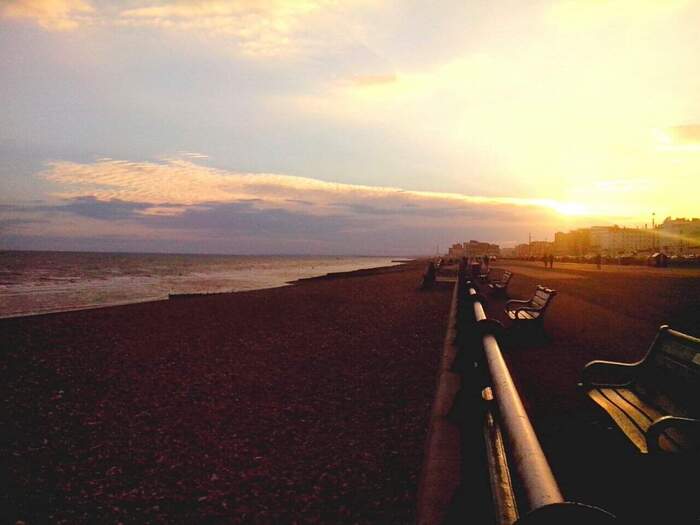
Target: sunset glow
[558,114]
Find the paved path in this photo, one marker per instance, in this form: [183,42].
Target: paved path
[612,313]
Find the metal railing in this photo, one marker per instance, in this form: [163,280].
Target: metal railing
[525,453]
[523,486]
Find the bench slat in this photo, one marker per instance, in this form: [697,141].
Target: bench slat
[523,315]
[634,416]
[538,302]
[665,383]
[627,425]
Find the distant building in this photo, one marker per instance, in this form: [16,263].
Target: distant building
[679,236]
[456,251]
[473,249]
[574,243]
[479,249]
[522,250]
[540,248]
[615,240]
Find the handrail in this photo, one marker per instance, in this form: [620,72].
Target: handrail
[524,450]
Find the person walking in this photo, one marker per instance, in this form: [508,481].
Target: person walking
[551,260]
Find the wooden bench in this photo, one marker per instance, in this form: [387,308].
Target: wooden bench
[484,275]
[532,309]
[501,285]
[655,401]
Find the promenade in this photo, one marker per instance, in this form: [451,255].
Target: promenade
[612,313]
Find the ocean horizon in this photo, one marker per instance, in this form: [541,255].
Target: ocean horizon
[40,282]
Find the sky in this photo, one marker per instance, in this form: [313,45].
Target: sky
[342,127]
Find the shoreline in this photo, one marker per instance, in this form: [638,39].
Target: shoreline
[177,296]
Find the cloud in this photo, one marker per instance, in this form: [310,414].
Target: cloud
[89,206]
[259,28]
[200,208]
[256,28]
[685,138]
[193,155]
[174,183]
[54,15]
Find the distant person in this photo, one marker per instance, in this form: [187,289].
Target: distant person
[429,277]
[545,259]
[551,260]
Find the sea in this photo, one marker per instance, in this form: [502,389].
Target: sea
[42,282]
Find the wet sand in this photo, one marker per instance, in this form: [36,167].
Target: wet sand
[612,313]
[304,404]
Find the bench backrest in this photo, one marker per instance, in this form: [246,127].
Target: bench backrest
[542,297]
[672,368]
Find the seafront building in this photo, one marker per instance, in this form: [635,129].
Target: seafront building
[575,242]
[534,249]
[473,249]
[605,240]
[673,237]
[615,240]
[679,236]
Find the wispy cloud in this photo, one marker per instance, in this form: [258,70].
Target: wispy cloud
[53,15]
[256,28]
[177,182]
[222,210]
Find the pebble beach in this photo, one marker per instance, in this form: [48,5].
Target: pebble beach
[302,404]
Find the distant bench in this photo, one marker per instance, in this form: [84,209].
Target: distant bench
[484,275]
[501,285]
[533,309]
[655,401]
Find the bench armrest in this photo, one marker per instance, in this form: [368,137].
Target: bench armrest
[608,373]
[658,427]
